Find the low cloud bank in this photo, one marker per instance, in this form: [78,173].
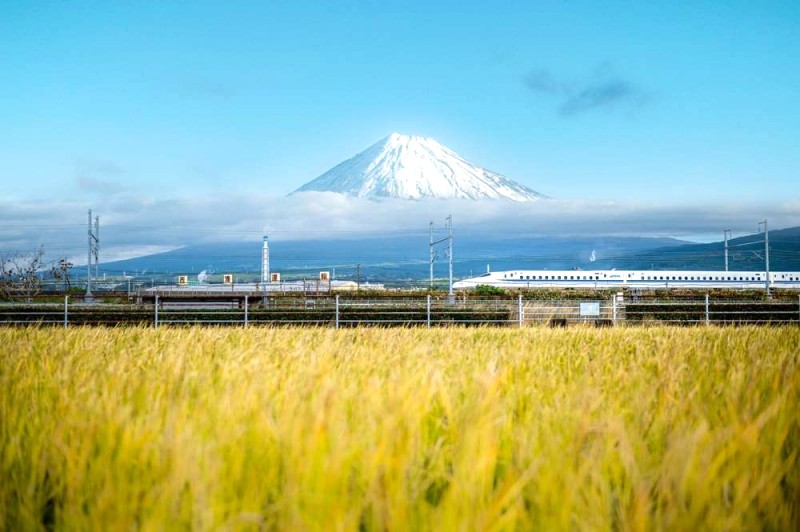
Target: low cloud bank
[133,225]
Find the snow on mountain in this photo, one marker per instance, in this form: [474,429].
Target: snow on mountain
[413,167]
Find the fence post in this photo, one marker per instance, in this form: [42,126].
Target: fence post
[156,318]
[520,316]
[337,311]
[614,309]
[246,306]
[429,311]
[707,313]
[66,315]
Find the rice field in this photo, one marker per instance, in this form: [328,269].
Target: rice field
[400,429]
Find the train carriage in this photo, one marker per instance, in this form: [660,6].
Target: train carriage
[599,279]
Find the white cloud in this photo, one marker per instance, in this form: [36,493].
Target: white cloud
[134,224]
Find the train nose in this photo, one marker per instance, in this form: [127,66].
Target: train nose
[460,285]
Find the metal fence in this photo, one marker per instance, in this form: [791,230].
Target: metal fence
[339,312]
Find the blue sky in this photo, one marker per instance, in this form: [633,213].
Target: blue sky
[660,104]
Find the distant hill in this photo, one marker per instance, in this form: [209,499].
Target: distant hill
[405,258]
[390,258]
[744,253]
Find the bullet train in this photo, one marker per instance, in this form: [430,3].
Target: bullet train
[600,279]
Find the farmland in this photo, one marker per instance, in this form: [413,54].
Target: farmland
[453,428]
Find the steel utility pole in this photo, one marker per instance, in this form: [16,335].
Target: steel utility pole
[766,253]
[450,255]
[89,260]
[432,251]
[97,247]
[431,254]
[726,233]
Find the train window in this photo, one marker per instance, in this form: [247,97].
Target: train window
[527,276]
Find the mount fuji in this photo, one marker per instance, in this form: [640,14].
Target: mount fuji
[413,167]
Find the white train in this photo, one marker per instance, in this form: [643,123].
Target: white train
[600,279]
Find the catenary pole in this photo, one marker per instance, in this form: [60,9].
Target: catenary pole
[450,255]
[97,247]
[726,233]
[430,253]
[89,259]
[766,255]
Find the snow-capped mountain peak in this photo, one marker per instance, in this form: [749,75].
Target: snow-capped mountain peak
[414,167]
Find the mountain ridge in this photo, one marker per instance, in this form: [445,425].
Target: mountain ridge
[416,167]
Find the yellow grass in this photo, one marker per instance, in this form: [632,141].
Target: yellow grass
[483,429]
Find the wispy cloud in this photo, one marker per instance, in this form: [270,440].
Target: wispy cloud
[543,81]
[99,176]
[603,90]
[205,89]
